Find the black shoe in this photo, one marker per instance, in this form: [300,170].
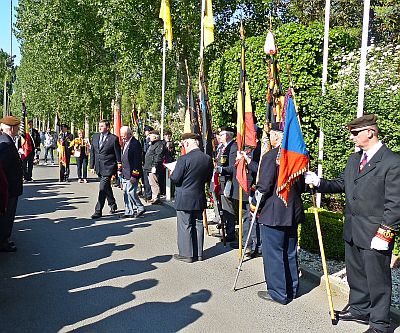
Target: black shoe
[182,258]
[113,208]
[373,330]
[231,239]
[126,216]
[348,316]
[10,242]
[140,213]
[266,296]
[8,248]
[96,215]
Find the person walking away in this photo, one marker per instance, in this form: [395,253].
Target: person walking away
[49,143]
[81,149]
[192,171]
[11,168]
[153,164]
[131,172]
[105,160]
[371,182]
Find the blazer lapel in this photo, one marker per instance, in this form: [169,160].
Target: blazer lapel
[371,165]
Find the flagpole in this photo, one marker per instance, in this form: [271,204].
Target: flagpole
[163,83]
[363,60]
[324,80]
[203,9]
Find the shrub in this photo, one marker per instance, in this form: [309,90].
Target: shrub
[331,229]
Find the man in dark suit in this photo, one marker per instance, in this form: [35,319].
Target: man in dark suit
[226,160]
[11,166]
[192,171]
[278,227]
[105,159]
[371,181]
[131,173]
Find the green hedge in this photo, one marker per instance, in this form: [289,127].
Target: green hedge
[332,229]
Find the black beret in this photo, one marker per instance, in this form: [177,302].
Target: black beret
[366,120]
[226,129]
[148,128]
[30,121]
[276,127]
[154,132]
[193,136]
[10,121]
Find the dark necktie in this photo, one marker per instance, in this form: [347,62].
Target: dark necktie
[102,137]
[363,162]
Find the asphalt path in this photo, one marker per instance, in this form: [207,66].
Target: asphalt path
[75,274]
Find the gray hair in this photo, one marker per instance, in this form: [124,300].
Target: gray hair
[5,127]
[126,129]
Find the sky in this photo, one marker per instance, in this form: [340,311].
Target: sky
[5,8]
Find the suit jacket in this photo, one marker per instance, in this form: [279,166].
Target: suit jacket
[192,172]
[11,165]
[132,160]
[154,156]
[372,195]
[104,160]
[273,210]
[226,159]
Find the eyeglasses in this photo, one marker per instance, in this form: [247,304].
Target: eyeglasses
[355,133]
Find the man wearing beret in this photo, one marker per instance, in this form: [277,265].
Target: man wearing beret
[278,226]
[11,167]
[153,164]
[371,181]
[226,160]
[192,171]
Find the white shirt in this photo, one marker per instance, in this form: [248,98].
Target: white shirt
[126,145]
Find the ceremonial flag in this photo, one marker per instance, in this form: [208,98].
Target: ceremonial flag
[117,120]
[26,143]
[208,24]
[246,135]
[206,129]
[294,156]
[165,15]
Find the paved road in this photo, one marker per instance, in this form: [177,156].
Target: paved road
[74,274]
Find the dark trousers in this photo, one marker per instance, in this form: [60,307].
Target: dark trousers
[190,233]
[81,164]
[27,165]
[7,220]
[255,238]
[105,191]
[279,250]
[229,216]
[46,153]
[146,184]
[64,170]
[370,281]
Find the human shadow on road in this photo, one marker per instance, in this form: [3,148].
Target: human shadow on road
[165,317]
[50,300]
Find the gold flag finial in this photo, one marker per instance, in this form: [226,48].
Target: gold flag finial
[242,31]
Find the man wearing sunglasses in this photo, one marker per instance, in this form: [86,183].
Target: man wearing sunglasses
[371,181]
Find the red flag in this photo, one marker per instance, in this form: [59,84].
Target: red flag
[246,135]
[117,121]
[26,143]
[294,156]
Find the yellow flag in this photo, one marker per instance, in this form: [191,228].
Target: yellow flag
[208,24]
[165,15]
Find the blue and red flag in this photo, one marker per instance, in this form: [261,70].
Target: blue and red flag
[294,156]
